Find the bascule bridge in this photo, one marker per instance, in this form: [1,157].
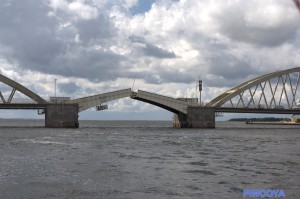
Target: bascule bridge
[273,93]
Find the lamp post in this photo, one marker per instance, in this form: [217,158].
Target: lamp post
[133,82]
[200,89]
[55,88]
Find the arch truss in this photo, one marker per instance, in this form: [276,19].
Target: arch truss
[277,90]
[17,87]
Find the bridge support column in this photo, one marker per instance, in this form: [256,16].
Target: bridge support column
[180,120]
[197,117]
[201,117]
[61,116]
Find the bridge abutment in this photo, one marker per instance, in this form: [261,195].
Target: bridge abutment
[197,117]
[61,116]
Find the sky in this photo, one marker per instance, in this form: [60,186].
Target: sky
[97,46]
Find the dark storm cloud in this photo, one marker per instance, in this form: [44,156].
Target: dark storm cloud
[136,39]
[230,67]
[37,41]
[59,40]
[68,88]
[95,65]
[99,28]
[166,76]
[230,71]
[28,33]
[233,24]
[154,51]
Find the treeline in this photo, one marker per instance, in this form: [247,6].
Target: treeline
[265,119]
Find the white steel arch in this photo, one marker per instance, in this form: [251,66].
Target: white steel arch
[18,87]
[274,90]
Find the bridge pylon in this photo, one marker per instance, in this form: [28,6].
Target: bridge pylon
[196,117]
[61,115]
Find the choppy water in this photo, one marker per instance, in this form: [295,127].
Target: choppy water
[144,159]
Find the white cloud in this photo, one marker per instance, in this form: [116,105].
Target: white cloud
[78,8]
[58,4]
[131,3]
[270,14]
[82,10]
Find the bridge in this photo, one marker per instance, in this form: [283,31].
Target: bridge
[273,93]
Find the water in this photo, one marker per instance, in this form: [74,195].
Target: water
[146,159]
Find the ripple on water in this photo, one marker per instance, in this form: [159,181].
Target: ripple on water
[36,141]
[222,182]
[236,189]
[130,162]
[193,187]
[204,153]
[171,142]
[126,155]
[199,163]
[206,172]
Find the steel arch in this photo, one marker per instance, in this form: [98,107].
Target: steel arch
[238,90]
[16,86]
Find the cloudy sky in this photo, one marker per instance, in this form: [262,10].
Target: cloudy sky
[96,46]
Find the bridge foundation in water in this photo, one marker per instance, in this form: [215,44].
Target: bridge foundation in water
[61,116]
[197,117]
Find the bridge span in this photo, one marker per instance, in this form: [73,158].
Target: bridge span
[273,93]
[171,104]
[94,100]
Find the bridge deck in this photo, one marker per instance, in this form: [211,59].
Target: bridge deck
[23,106]
[92,101]
[217,109]
[165,102]
[257,110]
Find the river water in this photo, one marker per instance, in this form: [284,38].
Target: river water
[146,160]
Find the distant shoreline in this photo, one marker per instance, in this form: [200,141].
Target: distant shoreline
[265,119]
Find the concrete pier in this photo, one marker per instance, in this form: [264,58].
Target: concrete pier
[197,117]
[180,120]
[61,116]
